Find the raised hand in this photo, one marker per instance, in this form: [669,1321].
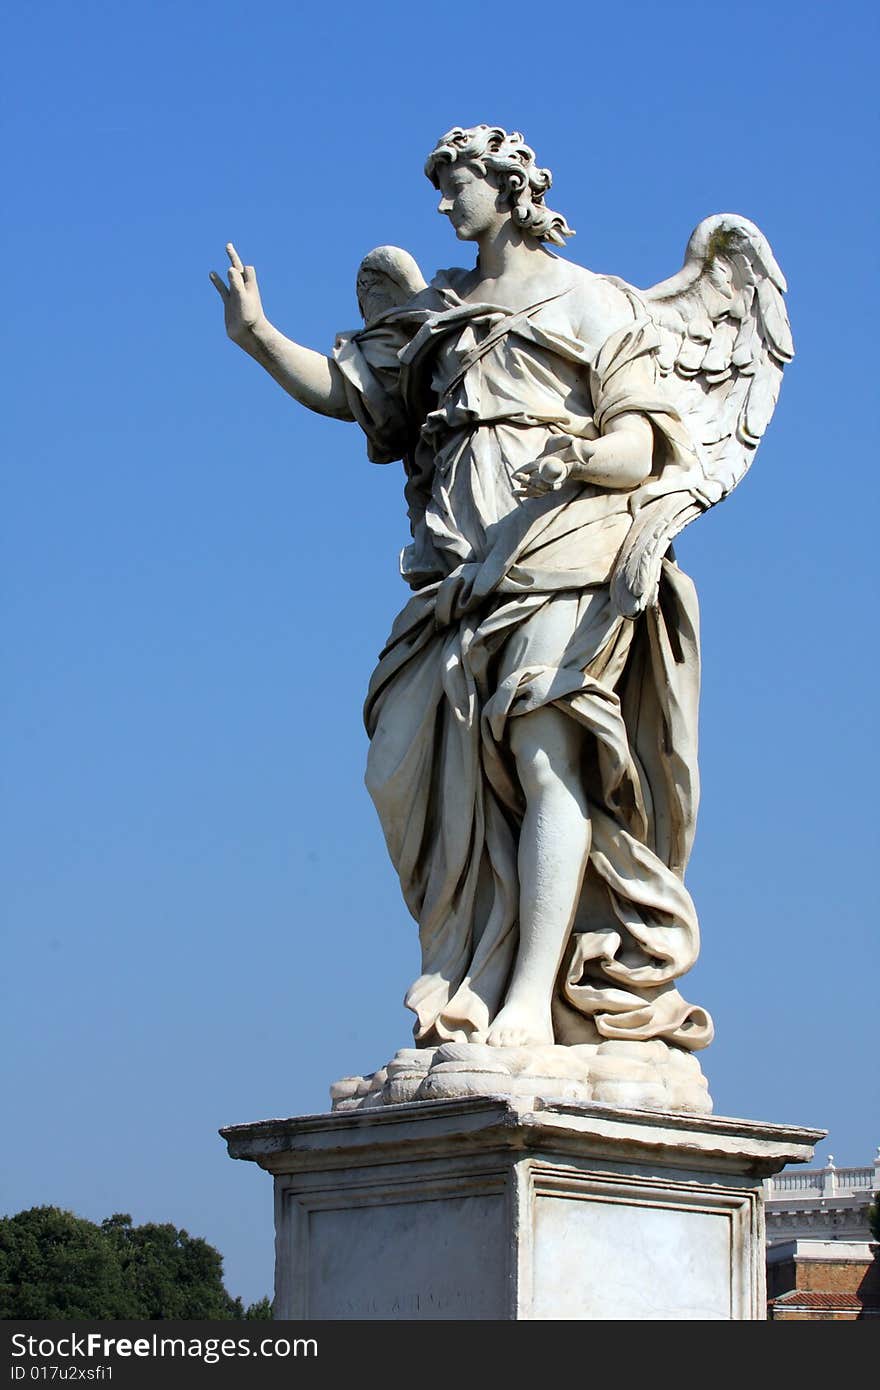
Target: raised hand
[242,306]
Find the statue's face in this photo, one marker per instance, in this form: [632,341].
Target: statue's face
[472,201]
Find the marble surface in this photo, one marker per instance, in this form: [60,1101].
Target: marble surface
[533,715]
[650,1075]
[650,1261]
[519,1209]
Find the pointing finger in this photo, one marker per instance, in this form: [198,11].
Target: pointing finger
[218,284]
[233,255]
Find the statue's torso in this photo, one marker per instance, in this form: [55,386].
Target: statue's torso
[498,409]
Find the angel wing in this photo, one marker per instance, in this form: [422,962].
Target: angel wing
[724,340]
[387,277]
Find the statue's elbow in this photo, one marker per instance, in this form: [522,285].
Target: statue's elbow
[634,472]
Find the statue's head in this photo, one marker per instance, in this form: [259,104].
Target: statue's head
[510,166]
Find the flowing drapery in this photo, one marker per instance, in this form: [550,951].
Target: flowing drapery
[512,611]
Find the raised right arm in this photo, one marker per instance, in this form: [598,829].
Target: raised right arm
[311,378]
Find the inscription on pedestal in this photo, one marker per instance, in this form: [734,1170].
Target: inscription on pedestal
[408,1260]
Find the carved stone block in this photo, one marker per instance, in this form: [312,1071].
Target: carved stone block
[507,1208]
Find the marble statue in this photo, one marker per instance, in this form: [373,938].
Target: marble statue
[533,716]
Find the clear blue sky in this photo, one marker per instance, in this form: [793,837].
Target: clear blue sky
[201,924]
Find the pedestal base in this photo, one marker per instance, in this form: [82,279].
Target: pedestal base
[488,1208]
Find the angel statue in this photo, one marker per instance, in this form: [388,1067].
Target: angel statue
[533,715]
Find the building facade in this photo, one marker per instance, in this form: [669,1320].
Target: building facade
[822,1263]
[821,1204]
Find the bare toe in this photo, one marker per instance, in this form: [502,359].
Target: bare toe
[516,1026]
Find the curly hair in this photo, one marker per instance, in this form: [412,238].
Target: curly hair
[489,147]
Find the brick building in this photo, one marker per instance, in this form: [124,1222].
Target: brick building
[822,1264]
[823,1280]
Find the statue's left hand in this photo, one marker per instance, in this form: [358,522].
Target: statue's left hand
[548,473]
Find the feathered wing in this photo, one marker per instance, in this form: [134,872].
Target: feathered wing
[724,340]
[387,277]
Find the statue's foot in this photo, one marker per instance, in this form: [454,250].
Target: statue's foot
[521,1025]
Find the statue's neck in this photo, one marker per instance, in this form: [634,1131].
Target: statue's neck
[505,252]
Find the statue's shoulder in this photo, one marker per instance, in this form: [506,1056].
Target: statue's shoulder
[602,297]
[599,305]
[450,280]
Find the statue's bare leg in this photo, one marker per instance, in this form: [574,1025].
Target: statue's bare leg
[553,848]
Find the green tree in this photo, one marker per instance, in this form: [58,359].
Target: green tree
[261,1309]
[874,1216]
[57,1265]
[169,1273]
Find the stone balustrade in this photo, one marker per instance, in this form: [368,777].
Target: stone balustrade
[824,1182]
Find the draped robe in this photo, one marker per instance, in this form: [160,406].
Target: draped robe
[511,611]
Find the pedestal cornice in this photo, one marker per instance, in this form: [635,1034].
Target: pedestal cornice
[591,1130]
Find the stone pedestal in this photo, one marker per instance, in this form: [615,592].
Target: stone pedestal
[508,1208]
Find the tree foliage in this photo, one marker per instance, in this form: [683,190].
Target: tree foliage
[261,1309]
[874,1217]
[57,1265]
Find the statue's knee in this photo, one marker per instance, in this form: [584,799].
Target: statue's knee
[537,774]
[546,745]
[548,774]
